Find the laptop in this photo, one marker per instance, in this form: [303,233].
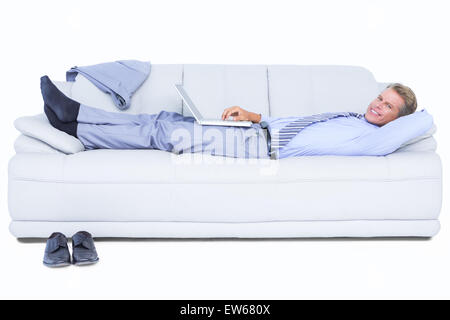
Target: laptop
[207,122]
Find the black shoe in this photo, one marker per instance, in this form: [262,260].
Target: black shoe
[57,251]
[83,248]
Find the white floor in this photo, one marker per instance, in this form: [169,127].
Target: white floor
[235,269]
[396,41]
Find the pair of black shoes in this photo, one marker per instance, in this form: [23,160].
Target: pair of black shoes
[57,250]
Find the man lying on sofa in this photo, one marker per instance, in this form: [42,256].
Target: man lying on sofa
[390,121]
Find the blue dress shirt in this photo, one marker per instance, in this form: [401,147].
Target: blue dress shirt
[350,136]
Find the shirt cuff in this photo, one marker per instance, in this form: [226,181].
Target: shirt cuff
[264,118]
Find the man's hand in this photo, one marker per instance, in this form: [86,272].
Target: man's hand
[240,114]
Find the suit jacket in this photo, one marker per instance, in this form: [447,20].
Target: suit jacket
[120,78]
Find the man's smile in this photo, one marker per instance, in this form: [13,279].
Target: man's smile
[374,112]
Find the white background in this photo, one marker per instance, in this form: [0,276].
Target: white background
[402,41]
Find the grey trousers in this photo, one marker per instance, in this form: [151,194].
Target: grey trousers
[168,131]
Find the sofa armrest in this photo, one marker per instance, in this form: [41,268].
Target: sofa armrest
[39,128]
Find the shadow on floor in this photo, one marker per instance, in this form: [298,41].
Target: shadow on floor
[43,240]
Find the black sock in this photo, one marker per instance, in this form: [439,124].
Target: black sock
[65,108]
[67,127]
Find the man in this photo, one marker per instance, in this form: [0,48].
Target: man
[374,133]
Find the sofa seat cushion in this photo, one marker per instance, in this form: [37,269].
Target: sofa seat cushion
[155,166]
[151,185]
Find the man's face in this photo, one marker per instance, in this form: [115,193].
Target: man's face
[384,108]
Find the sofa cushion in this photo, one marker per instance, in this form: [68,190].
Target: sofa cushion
[39,127]
[25,143]
[151,185]
[424,142]
[306,90]
[283,90]
[155,166]
[213,88]
[427,144]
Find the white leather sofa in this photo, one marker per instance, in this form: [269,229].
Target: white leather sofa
[55,185]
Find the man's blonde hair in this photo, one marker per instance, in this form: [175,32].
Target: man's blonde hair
[408,96]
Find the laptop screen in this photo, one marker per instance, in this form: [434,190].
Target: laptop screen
[188,102]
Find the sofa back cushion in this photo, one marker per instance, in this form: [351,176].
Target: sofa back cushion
[213,88]
[306,90]
[278,90]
